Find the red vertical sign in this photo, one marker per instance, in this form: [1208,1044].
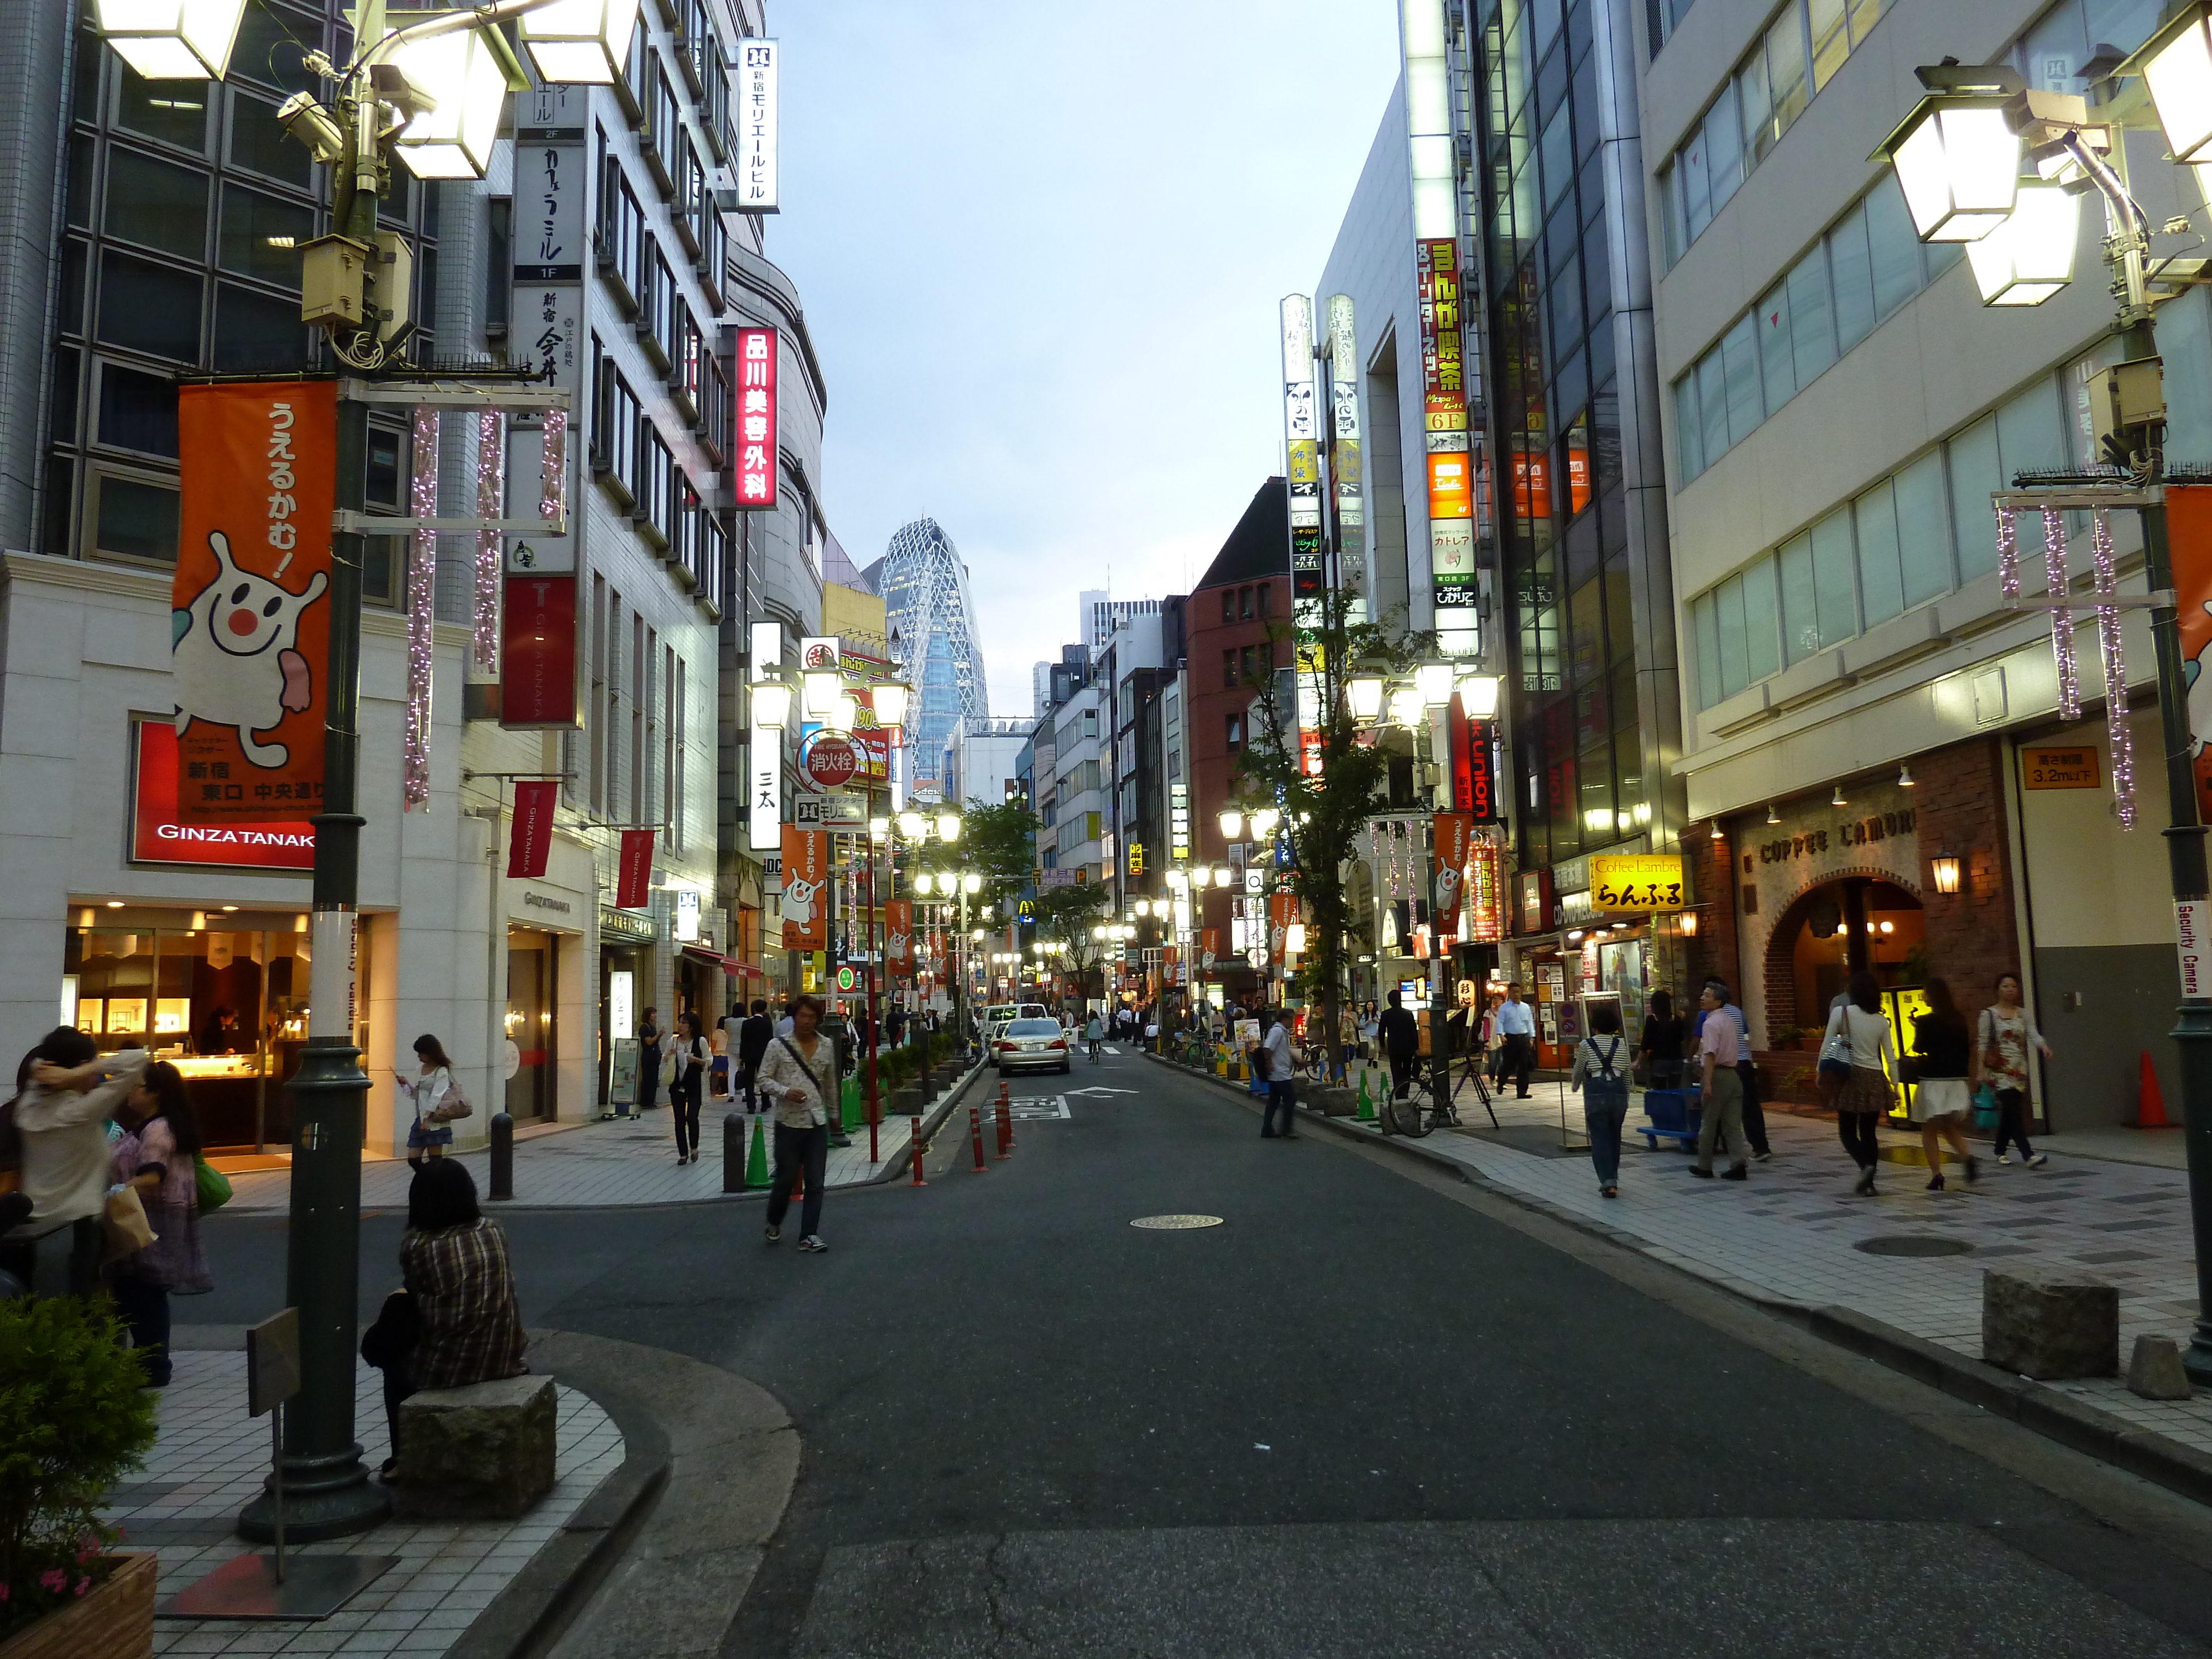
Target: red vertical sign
[250,658]
[1453,831]
[533,837]
[537,651]
[634,877]
[898,928]
[755,435]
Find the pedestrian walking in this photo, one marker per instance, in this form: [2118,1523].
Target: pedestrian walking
[753,1038]
[1400,1036]
[649,1036]
[1941,1060]
[2001,1052]
[718,1062]
[1517,1024]
[1601,1077]
[1858,1033]
[1719,1049]
[437,1099]
[1271,1060]
[65,1092]
[1661,1045]
[158,1156]
[796,1073]
[687,1075]
[1754,1115]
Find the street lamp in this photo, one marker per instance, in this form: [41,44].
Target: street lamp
[890,700]
[580,43]
[1264,823]
[948,827]
[1956,155]
[1478,695]
[1231,821]
[171,39]
[1407,708]
[913,826]
[771,704]
[1433,680]
[459,83]
[1365,692]
[2176,62]
[2030,256]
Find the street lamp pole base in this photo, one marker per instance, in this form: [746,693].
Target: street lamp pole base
[328,1497]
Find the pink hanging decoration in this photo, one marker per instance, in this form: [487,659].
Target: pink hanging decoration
[553,480]
[421,609]
[2062,619]
[2008,554]
[2117,732]
[491,495]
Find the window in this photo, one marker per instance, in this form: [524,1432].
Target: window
[132,517]
[149,308]
[1228,670]
[260,235]
[156,203]
[595,646]
[136,411]
[1267,598]
[1228,605]
[1236,728]
[1244,604]
[499,264]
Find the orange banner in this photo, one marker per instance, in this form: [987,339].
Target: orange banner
[1453,831]
[2189,536]
[805,903]
[898,930]
[250,630]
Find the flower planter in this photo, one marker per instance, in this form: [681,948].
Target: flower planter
[114,1620]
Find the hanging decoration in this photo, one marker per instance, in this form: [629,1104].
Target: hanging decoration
[2062,619]
[2117,731]
[553,479]
[2008,554]
[491,491]
[422,608]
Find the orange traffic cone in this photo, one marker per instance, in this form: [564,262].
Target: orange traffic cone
[2150,1105]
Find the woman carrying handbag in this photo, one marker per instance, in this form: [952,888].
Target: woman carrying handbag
[437,1100]
[1858,1036]
[687,1075]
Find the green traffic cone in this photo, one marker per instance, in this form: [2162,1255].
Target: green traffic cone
[1366,1107]
[757,1160]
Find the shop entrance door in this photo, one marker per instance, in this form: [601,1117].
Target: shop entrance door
[532,1023]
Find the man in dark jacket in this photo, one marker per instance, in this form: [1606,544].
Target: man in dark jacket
[1401,1040]
[753,1038]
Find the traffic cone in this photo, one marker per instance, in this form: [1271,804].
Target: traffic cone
[757,1160]
[1366,1114]
[2150,1105]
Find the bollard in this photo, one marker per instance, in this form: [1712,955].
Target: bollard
[975,1129]
[913,1144]
[733,1151]
[1006,1122]
[502,1156]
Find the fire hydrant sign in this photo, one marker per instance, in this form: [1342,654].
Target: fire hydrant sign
[249,625]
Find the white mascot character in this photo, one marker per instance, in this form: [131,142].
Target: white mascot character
[235,660]
[798,903]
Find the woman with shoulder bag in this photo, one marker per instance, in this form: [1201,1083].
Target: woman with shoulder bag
[1601,1077]
[437,1100]
[798,1073]
[1939,1095]
[158,1158]
[1858,1038]
[2007,1034]
[687,1076]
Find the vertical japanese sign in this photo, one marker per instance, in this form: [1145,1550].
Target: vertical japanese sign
[531,839]
[634,873]
[765,752]
[898,932]
[1302,440]
[549,212]
[1453,831]
[1348,469]
[1451,461]
[757,440]
[805,903]
[250,635]
[1484,901]
[757,95]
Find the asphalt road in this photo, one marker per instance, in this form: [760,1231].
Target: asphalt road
[1372,1413]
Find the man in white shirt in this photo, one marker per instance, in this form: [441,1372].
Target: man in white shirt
[1718,1049]
[1282,1096]
[1516,1023]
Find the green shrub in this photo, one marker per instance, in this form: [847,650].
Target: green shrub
[74,1416]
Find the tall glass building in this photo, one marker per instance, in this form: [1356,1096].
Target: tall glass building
[932,617]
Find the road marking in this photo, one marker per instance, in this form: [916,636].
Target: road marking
[1175,1223]
[1101,1089]
[1036,1106]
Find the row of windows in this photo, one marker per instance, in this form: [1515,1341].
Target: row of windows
[1868,265]
[633,462]
[1928,529]
[1244,603]
[1798,54]
[635,768]
[1247,664]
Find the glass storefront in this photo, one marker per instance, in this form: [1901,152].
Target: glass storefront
[223,995]
[533,1023]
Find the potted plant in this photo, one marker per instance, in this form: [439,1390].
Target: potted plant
[74,1415]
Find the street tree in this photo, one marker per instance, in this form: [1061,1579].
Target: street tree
[1066,915]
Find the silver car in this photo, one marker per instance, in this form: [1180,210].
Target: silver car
[1031,1042]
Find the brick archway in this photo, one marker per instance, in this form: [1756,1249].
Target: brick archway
[1780,968]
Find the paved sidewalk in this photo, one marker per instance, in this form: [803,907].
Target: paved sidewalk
[210,1459]
[1795,1231]
[596,1165]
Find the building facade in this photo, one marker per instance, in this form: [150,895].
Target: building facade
[924,582]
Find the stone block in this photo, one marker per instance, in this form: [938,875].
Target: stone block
[480,1452]
[1335,1103]
[2051,1328]
[2155,1372]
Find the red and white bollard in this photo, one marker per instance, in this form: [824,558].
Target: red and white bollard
[915,1145]
[976,1130]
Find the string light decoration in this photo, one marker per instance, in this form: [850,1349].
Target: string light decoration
[491,494]
[2117,732]
[2008,554]
[2062,619]
[553,476]
[422,607]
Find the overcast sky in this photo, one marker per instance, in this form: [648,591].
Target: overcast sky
[1040,248]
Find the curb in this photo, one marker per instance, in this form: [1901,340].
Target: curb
[931,1121]
[528,1616]
[2047,1411]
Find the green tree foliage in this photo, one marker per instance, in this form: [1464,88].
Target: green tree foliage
[998,840]
[1067,914]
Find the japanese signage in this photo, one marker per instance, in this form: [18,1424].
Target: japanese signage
[1637,881]
[532,838]
[1452,461]
[827,761]
[898,935]
[1437,290]
[684,917]
[1347,473]
[158,838]
[2076,766]
[634,875]
[756,112]
[547,553]
[1453,831]
[549,213]
[805,902]
[1482,919]
[537,653]
[251,652]
[1179,821]
[764,753]
[1535,901]
[756,376]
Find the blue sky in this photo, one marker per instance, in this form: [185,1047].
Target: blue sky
[1039,246]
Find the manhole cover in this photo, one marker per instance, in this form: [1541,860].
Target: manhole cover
[1912,1245]
[1176,1223]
